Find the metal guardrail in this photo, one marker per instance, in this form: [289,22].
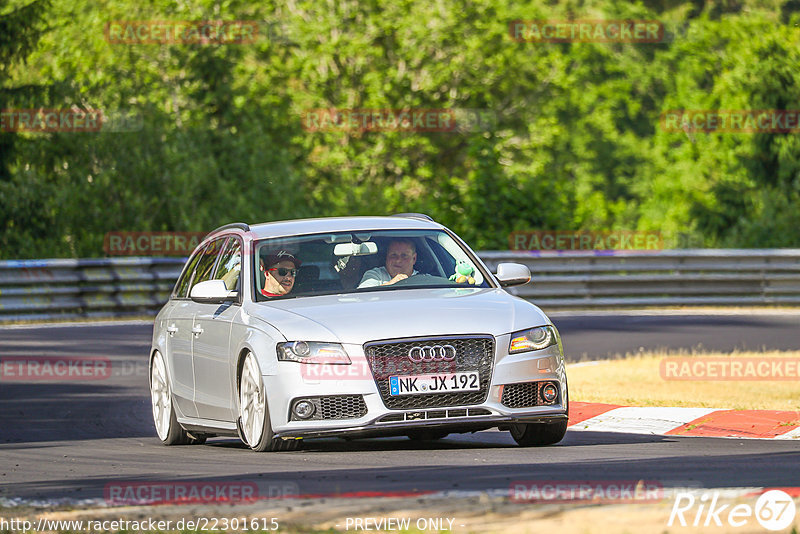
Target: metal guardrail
[85,288]
[709,277]
[95,288]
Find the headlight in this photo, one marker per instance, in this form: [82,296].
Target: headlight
[312,352]
[537,338]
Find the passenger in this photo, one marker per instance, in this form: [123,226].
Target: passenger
[280,272]
[400,259]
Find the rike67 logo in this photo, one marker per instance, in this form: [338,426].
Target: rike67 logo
[774,510]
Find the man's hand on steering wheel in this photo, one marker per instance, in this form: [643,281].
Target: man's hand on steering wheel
[397,278]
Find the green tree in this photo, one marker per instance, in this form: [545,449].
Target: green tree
[21,214]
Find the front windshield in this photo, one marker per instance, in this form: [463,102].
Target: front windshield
[347,262]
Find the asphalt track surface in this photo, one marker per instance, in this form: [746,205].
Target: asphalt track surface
[71,440]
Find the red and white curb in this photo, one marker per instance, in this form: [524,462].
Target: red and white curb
[708,422]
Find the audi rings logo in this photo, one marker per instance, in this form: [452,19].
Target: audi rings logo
[432,353]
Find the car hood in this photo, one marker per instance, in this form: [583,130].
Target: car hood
[361,317]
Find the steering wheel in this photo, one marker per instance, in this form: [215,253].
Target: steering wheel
[421,279]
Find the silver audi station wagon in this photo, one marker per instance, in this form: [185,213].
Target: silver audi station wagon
[351,327]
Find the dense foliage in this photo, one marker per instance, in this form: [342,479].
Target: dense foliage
[573,139]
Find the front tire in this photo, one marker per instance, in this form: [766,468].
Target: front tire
[254,424]
[169,431]
[542,434]
[538,434]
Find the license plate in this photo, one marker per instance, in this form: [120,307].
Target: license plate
[444,383]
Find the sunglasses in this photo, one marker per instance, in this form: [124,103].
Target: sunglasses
[283,271]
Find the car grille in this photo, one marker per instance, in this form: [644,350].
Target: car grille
[524,395]
[390,358]
[334,407]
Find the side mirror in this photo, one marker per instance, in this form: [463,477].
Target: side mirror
[513,274]
[212,292]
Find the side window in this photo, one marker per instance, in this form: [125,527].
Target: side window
[206,264]
[230,264]
[183,284]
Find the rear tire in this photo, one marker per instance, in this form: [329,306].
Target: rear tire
[254,424]
[169,431]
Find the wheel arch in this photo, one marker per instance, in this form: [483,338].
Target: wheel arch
[263,346]
[153,352]
[240,365]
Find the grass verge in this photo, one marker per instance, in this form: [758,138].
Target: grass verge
[642,379]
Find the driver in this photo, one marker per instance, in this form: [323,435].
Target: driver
[280,270]
[400,259]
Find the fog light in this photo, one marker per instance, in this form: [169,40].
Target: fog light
[303,409]
[549,392]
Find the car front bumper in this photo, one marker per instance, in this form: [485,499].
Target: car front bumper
[294,381]
[454,425]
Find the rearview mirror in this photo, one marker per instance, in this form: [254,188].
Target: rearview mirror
[513,274]
[355,249]
[212,292]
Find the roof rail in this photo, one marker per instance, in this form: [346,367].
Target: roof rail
[237,226]
[414,216]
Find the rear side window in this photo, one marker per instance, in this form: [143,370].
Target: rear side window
[183,284]
[199,268]
[205,267]
[230,264]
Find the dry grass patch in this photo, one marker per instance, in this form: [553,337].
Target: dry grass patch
[637,380]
